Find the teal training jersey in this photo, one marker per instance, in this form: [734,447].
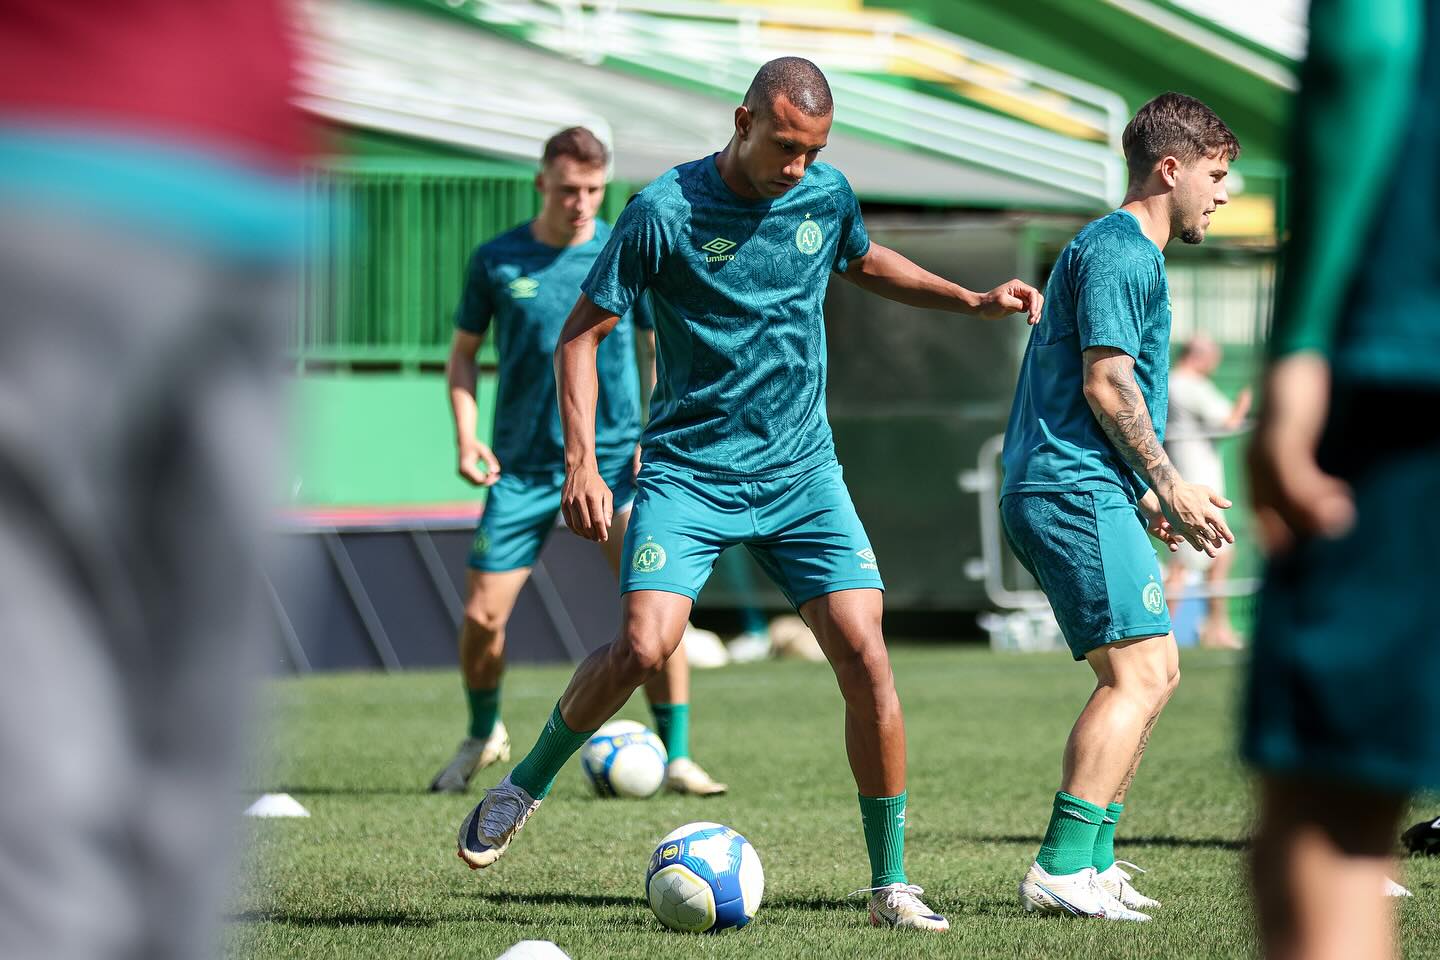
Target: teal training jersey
[1108,289]
[527,289]
[737,288]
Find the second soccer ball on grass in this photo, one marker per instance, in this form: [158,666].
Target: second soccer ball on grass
[624,759]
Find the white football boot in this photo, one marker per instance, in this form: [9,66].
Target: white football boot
[1073,895]
[472,756]
[683,775]
[1116,882]
[485,835]
[898,906]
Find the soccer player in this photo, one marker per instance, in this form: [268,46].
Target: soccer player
[525,281]
[1342,713]
[735,250]
[1086,476]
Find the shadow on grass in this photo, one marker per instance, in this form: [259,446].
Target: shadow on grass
[299,790]
[819,904]
[1127,841]
[333,920]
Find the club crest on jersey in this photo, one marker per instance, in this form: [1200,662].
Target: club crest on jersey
[649,557]
[809,236]
[719,250]
[524,288]
[1153,597]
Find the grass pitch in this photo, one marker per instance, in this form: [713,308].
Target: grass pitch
[373,872]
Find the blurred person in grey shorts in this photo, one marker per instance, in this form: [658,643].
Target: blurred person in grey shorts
[1199,415]
[148,225]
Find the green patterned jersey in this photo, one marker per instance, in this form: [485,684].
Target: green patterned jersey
[526,289]
[1108,289]
[737,288]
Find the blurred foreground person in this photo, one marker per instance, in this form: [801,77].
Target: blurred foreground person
[148,221]
[1345,468]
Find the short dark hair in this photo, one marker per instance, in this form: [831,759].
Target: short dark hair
[797,80]
[1174,125]
[577,143]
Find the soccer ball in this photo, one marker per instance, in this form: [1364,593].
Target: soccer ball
[704,878]
[624,759]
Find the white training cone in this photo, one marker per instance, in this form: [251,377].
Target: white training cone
[276,805]
[534,950]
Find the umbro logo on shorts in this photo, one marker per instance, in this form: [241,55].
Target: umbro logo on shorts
[719,249]
[868,557]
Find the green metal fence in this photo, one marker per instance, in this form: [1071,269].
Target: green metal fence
[389,242]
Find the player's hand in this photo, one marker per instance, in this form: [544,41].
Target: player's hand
[1156,524]
[1017,296]
[1194,513]
[1292,497]
[635,466]
[587,504]
[472,454]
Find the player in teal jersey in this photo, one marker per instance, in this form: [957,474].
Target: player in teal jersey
[1086,476]
[1342,714]
[735,251]
[524,281]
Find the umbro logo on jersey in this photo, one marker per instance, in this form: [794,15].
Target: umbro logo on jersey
[524,288]
[719,249]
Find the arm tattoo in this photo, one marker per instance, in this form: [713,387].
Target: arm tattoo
[1131,432]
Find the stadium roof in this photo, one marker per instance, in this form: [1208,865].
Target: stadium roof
[663,90]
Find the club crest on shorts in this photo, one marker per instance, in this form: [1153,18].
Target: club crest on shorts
[481,544]
[649,557]
[809,236]
[1153,597]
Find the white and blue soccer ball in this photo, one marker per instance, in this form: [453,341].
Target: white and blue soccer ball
[704,878]
[624,759]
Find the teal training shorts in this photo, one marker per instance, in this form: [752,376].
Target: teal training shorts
[1095,562]
[522,509]
[803,531]
[1345,657]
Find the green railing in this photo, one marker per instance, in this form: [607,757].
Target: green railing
[390,241]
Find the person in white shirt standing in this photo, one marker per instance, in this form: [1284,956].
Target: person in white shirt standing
[1199,414]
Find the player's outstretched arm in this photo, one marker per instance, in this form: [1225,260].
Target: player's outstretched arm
[586,501]
[884,272]
[1114,397]
[460,381]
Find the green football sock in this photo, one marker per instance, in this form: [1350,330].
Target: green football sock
[672,722]
[537,772]
[884,821]
[1069,843]
[1104,856]
[484,711]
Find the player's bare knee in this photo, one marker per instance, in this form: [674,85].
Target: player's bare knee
[863,669]
[638,656]
[483,620]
